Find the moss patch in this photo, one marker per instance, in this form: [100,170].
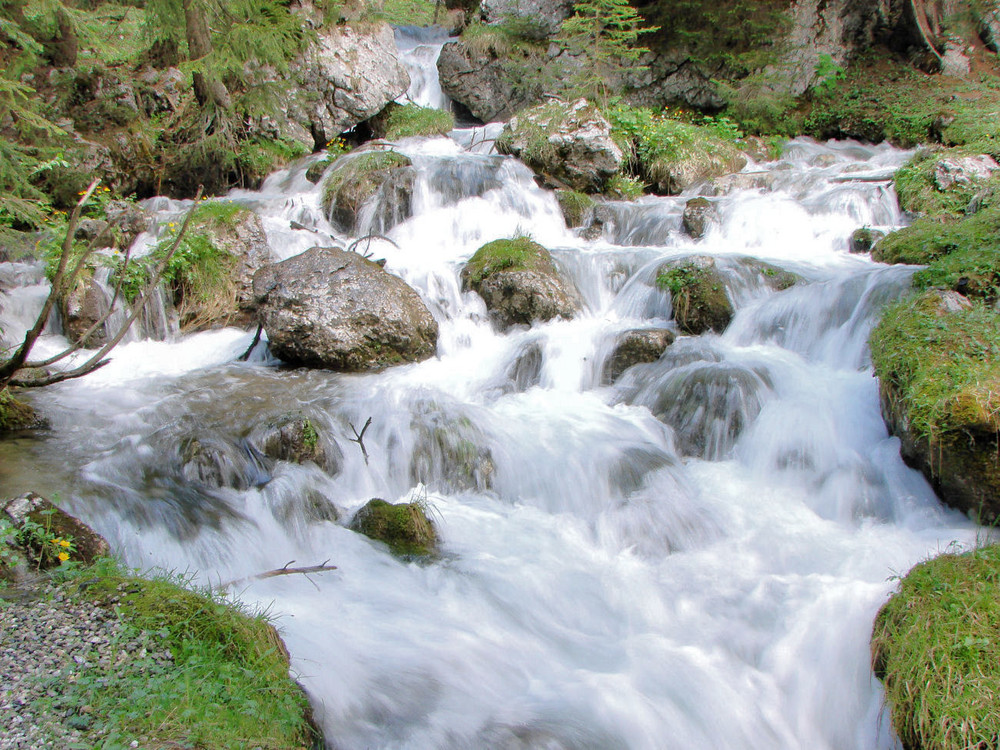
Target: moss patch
[944,366]
[918,192]
[355,181]
[936,648]
[405,528]
[575,206]
[698,296]
[409,120]
[14,414]
[225,685]
[517,254]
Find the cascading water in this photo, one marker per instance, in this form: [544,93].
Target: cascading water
[419,48]
[690,557]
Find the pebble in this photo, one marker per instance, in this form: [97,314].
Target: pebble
[46,639]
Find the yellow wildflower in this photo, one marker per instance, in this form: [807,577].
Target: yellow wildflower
[63,557]
[64,543]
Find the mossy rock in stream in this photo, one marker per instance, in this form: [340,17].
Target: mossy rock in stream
[410,120]
[519,283]
[942,182]
[934,646]
[698,295]
[295,438]
[936,356]
[575,206]
[404,527]
[16,415]
[359,178]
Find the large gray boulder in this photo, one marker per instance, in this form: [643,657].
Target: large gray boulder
[538,19]
[478,80]
[963,171]
[345,76]
[635,347]
[568,144]
[519,283]
[335,309]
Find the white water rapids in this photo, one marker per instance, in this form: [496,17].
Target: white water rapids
[689,558]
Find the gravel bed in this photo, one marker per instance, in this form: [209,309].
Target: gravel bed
[47,639]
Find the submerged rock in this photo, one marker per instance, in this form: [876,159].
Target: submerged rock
[450,454]
[212,462]
[699,213]
[384,177]
[294,438]
[335,309]
[519,283]
[567,144]
[698,294]
[405,527]
[636,347]
[863,240]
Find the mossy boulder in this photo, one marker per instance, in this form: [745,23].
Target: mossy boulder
[863,239]
[773,276]
[404,527]
[697,293]
[636,347]
[410,120]
[519,283]
[383,176]
[16,415]
[936,357]
[215,462]
[942,182]
[568,145]
[295,438]
[337,310]
[450,454]
[576,207]
[934,646]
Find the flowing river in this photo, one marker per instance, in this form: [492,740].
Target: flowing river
[690,557]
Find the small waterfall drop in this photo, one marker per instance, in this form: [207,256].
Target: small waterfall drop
[419,49]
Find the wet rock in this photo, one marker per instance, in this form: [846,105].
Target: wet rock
[698,294]
[699,213]
[56,523]
[450,455]
[405,527]
[478,81]
[127,221]
[566,144]
[527,368]
[576,207]
[335,309]
[383,177]
[636,347]
[742,181]
[347,75]
[864,239]
[309,506]
[218,463]
[81,309]
[776,278]
[519,283]
[989,28]
[295,438]
[963,172]
[16,415]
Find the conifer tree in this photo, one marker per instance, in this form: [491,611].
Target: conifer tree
[602,35]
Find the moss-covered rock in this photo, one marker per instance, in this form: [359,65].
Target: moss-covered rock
[295,438]
[935,648]
[942,182]
[16,415]
[450,454]
[698,214]
[576,207]
[937,358]
[566,144]
[404,527]
[50,526]
[863,239]
[636,347]
[519,283]
[409,120]
[360,178]
[698,294]
[774,277]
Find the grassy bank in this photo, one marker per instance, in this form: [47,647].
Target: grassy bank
[935,647]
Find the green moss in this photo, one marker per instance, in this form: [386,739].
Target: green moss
[936,648]
[944,366]
[226,684]
[408,12]
[405,527]
[411,120]
[15,414]
[358,178]
[517,254]
[258,157]
[575,206]
[310,438]
[698,296]
[917,192]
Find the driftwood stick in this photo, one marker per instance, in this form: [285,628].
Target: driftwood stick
[359,438]
[285,570]
[253,344]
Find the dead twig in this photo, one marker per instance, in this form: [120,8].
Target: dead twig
[359,438]
[253,344]
[285,570]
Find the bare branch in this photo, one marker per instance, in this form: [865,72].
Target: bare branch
[285,570]
[98,359]
[253,344]
[369,237]
[360,438]
[12,365]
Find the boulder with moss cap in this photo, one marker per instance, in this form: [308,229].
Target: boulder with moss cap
[359,179]
[404,527]
[519,283]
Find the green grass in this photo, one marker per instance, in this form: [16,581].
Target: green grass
[945,366]
[936,647]
[517,254]
[226,686]
[409,12]
[918,192]
[411,120]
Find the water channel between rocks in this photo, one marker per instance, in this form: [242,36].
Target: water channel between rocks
[690,557]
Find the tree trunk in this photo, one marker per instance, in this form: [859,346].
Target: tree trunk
[207,88]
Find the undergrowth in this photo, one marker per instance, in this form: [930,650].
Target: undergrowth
[411,120]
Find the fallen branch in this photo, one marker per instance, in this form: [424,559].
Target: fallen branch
[369,237]
[282,571]
[253,344]
[360,438]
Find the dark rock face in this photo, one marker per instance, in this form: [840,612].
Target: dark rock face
[864,239]
[519,283]
[335,309]
[84,306]
[405,528]
[541,19]
[698,214]
[212,462]
[567,143]
[88,545]
[295,438]
[698,294]
[127,221]
[636,347]
[478,81]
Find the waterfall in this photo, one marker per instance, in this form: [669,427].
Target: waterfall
[690,556]
[419,49]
